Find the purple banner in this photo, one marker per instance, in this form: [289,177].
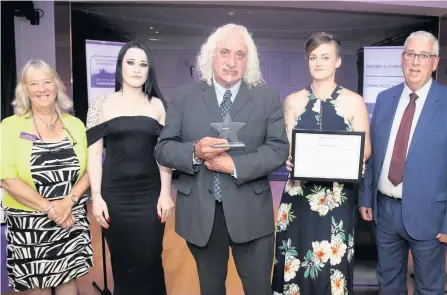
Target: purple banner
[102,71]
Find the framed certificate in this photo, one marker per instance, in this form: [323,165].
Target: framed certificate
[333,156]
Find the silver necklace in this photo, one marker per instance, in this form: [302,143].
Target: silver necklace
[50,127]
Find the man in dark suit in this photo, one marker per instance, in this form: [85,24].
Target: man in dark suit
[223,195]
[405,184]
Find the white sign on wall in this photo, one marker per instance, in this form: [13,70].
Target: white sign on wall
[382,70]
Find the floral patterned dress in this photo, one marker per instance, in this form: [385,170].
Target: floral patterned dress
[316,221]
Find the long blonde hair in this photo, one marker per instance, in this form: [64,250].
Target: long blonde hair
[22,103]
[252,75]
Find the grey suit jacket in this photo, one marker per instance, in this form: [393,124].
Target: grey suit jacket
[247,200]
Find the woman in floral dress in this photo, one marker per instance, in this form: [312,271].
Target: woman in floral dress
[316,220]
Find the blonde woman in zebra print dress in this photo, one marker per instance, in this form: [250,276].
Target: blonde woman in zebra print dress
[43,173]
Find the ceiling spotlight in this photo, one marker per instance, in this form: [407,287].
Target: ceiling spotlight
[230,13]
[156,32]
[249,12]
[151,28]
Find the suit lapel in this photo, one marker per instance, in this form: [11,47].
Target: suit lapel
[388,118]
[210,98]
[428,110]
[242,97]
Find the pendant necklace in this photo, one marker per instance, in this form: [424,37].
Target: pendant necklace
[50,127]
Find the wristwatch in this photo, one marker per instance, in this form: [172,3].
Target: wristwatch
[74,199]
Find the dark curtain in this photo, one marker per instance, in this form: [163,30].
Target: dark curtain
[8,55]
[86,26]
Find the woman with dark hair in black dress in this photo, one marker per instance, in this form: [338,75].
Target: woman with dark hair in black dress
[130,192]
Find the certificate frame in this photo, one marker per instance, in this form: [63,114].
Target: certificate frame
[357,163]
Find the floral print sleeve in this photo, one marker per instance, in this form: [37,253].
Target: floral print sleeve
[94,113]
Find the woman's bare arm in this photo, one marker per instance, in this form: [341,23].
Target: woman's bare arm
[360,121]
[165,173]
[294,106]
[95,150]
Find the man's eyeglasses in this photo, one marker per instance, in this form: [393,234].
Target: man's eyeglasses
[421,56]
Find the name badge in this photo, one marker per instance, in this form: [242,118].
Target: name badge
[28,136]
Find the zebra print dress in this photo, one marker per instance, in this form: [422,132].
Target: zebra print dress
[41,254]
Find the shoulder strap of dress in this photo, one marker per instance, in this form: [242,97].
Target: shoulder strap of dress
[310,93]
[95,111]
[336,92]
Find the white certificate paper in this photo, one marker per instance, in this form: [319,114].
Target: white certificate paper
[327,156]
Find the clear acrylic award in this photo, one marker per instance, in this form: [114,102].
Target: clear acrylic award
[228,130]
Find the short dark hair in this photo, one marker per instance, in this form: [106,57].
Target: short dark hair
[151,88]
[318,39]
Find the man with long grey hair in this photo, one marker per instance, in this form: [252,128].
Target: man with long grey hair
[223,194]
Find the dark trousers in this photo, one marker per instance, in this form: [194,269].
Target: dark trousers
[253,260]
[393,243]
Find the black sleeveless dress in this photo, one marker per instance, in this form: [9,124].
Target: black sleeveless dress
[131,186]
[316,221]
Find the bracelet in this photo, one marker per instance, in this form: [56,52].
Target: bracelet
[93,199]
[194,149]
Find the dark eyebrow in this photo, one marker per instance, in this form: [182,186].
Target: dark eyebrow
[129,58]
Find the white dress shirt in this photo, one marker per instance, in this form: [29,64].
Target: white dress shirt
[385,186]
[220,91]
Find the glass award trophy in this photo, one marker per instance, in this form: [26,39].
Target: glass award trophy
[228,130]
